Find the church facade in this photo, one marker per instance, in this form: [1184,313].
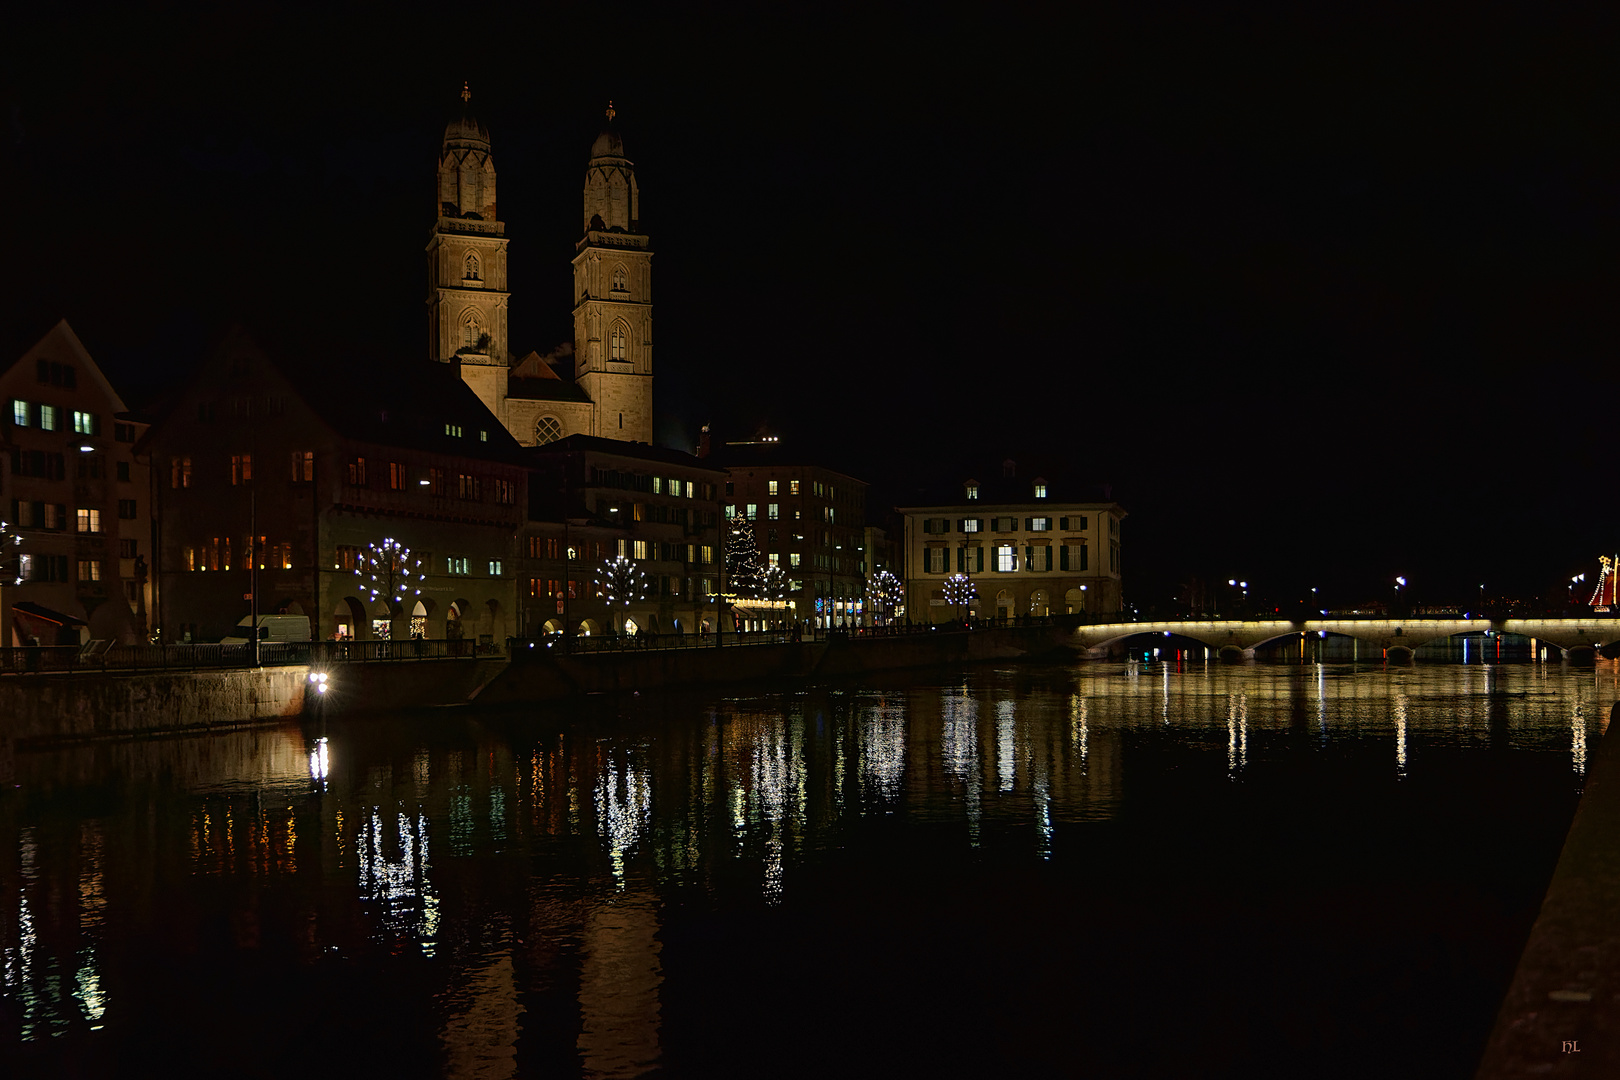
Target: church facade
[610,394]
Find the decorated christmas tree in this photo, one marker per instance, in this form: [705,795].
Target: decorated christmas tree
[883,593]
[743,569]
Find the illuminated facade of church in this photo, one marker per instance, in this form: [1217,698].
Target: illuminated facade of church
[610,394]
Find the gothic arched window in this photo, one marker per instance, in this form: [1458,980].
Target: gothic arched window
[616,343]
[471,331]
[471,272]
[618,279]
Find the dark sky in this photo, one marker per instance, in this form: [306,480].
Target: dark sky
[1324,299]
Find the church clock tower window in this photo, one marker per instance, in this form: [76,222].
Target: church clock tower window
[616,344]
[471,273]
[618,279]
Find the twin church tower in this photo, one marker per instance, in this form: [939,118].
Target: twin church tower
[611,392]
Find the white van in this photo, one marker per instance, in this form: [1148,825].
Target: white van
[271,628]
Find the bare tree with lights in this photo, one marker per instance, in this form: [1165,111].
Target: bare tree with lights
[883,591]
[773,589]
[620,583]
[387,571]
[960,592]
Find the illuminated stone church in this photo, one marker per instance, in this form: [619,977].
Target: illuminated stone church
[610,394]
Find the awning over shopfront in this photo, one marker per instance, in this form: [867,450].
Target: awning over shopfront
[37,624]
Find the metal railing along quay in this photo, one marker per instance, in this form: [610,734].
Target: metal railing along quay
[97,657]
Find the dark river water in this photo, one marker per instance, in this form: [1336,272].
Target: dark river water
[1089,871]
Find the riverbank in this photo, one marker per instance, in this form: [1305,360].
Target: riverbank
[64,707]
[1561,1015]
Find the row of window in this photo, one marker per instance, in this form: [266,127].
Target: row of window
[54,516]
[468,486]
[33,414]
[653,485]
[1073,523]
[971,488]
[1003,558]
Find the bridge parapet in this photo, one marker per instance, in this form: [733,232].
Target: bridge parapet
[1382,634]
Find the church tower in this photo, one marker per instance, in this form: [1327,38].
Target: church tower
[467,297]
[613,295]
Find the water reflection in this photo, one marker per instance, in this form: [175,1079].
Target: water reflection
[561,843]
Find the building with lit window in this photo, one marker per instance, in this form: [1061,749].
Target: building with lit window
[808,520]
[1028,545]
[596,500]
[75,493]
[276,476]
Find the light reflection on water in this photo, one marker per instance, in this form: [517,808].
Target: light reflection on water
[611,815]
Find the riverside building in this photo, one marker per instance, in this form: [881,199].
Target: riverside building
[1027,544]
[75,493]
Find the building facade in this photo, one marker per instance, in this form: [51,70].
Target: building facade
[277,478]
[77,496]
[808,520]
[596,500]
[608,393]
[1026,550]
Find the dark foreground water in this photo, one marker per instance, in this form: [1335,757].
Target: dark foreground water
[1089,871]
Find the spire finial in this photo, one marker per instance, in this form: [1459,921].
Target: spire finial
[466,94]
[610,111]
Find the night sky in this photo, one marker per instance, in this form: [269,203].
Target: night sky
[1324,301]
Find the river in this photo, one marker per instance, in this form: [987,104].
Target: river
[1090,870]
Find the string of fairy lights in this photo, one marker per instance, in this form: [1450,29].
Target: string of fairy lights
[621,581]
[11,563]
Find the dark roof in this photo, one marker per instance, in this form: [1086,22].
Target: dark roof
[1006,482]
[767,455]
[592,444]
[546,390]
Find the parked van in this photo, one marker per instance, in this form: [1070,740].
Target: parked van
[271,628]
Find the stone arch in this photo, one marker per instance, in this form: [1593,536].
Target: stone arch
[472,328]
[455,619]
[618,341]
[1006,603]
[349,619]
[589,628]
[552,626]
[493,622]
[1075,601]
[1038,603]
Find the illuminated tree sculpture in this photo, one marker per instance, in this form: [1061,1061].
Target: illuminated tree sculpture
[387,572]
[883,592]
[743,568]
[11,563]
[620,583]
[959,591]
[773,586]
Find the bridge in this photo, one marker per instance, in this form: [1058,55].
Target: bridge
[1396,638]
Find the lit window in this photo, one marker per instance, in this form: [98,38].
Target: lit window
[89,520]
[494,568]
[89,569]
[1006,558]
[84,423]
[972,490]
[793,558]
[453,430]
[970,525]
[772,486]
[770,511]
[19,413]
[241,468]
[47,417]
[753,512]
[1040,489]
[303,466]
[357,471]
[639,550]
[1040,524]
[456,564]
[793,487]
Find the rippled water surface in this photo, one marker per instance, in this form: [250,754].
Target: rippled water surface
[1088,871]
